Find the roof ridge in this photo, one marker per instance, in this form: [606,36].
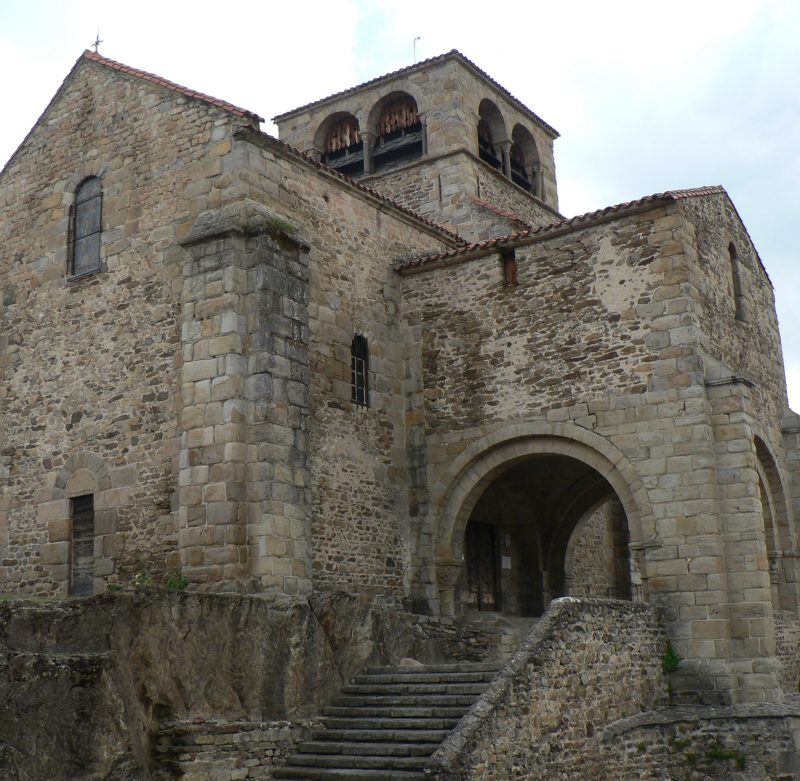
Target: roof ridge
[454,53]
[171,85]
[568,222]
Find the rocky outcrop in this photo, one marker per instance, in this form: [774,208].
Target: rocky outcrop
[88,686]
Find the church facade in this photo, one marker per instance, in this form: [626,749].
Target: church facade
[371,356]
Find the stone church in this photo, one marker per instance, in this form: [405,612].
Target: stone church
[283,412]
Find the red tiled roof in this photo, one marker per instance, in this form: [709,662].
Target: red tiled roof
[189,93]
[600,215]
[452,54]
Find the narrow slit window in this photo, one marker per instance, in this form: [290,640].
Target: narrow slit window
[359,371]
[82,546]
[509,268]
[86,227]
[738,292]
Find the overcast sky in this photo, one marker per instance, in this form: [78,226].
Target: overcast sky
[647,96]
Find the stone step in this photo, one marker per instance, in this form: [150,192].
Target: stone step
[358,762]
[388,723]
[335,774]
[381,735]
[415,688]
[426,677]
[460,667]
[386,748]
[406,700]
[380,711]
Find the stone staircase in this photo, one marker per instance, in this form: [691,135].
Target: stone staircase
[386,724]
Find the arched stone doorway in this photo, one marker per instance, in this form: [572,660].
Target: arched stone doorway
[546,526]
[514,514]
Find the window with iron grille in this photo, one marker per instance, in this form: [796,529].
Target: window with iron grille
[86,227]
[359,371]
[82,547]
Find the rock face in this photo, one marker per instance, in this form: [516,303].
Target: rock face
[86,684]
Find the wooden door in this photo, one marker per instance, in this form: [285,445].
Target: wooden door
[481,567]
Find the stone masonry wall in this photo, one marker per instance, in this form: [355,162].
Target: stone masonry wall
[244,482]
[738,743]
[591,573]
[450,189]
[87,384]
[787,642]
[585,665]
[357,460]
[595,351]
[448,94]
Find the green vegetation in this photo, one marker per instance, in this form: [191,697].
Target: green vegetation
[670,662]
[177,582]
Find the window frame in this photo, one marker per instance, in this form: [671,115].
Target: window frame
[359,371]
[94,201]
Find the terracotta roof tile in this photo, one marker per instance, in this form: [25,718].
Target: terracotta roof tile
[573,222]
[189,93]
[452,54]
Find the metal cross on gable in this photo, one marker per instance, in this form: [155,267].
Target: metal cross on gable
[97,43]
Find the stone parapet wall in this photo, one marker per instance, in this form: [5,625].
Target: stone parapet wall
[736,743]
[226,750]
[586,664]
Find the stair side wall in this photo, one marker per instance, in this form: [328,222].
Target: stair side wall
[585,665]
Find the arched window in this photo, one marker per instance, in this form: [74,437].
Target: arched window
[486,148]
[344,149]
[492,134]
[359,371]
[736,274]
[82,546]
[86,227]
[399,132]
[524,159]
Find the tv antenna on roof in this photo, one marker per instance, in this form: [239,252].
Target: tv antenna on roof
[97,42]
[415,47]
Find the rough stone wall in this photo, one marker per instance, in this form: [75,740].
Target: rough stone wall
[357,457]
[87,365]
[450,189]
[591,572]
[226,751]
[739,743]
[787,649]
[585,665]
[751,346]
[596,349]
[566,333]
